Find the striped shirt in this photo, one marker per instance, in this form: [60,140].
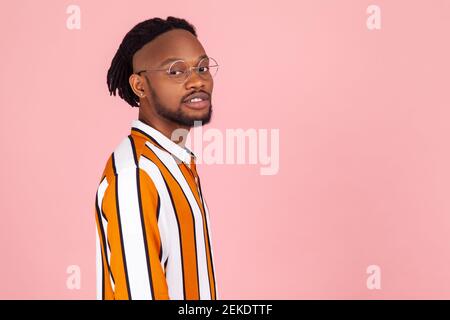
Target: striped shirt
[153,229]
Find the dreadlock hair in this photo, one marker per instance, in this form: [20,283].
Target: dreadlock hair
[121,65]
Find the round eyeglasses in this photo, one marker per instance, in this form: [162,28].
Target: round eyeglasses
[179,70]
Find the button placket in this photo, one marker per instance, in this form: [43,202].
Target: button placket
[193,171]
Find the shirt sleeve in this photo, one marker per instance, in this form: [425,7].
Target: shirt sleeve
[130,243]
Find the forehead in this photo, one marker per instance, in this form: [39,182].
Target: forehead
[174,43]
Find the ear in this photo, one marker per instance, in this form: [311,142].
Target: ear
[137,84]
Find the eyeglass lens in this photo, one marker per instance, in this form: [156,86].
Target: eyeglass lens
[207,68]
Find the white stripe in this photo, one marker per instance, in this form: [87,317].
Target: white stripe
[130,219]
[171,164]
[168,228]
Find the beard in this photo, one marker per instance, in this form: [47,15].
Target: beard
[179,116]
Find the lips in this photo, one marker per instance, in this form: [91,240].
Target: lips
[201,95]
[197,105]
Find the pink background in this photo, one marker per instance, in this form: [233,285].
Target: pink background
[364,144]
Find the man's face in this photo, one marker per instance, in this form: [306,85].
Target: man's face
[164,94]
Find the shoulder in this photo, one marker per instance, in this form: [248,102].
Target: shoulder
[124,157]
[127,154]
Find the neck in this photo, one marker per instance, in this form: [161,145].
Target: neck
[165,126]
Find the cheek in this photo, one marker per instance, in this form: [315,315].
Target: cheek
[169,95]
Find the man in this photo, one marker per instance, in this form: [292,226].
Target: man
[154,239]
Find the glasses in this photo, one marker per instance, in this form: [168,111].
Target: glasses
[179,70]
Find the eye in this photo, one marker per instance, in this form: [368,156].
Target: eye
[205,69]
[177,69]
[174,72]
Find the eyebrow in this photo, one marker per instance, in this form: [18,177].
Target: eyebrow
[175,58]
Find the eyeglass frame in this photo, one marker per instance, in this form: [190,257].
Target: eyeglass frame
[189,67]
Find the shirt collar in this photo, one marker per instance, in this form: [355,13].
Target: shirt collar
[182,153]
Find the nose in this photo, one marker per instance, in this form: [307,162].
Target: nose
[194,79]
